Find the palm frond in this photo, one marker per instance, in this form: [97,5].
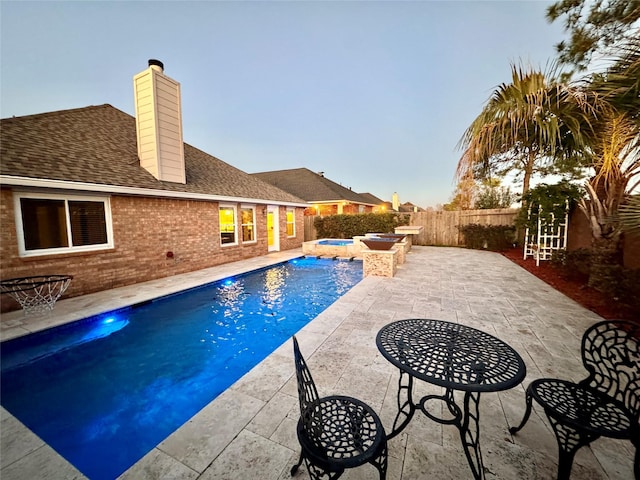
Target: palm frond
[532,120]
[629,214]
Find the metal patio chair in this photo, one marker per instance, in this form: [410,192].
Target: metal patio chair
[335,432]
[605,404]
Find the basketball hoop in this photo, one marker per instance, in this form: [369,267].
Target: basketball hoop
[36,294]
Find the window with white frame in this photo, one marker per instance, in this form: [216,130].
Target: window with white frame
[248,221]
[291,222]
[228,229]
[51,223]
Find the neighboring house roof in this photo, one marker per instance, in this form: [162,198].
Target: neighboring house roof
[310,186]
[97,145]
[371,198]
[409,207]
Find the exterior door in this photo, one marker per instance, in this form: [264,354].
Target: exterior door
[273,232]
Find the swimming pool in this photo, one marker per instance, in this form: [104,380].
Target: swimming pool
[335,241]
[105,390]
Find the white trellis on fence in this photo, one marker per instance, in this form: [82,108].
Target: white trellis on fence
[550,235]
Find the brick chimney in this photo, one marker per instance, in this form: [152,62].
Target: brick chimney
[159,124]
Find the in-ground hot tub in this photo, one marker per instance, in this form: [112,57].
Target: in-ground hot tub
[332,247]
[339,242]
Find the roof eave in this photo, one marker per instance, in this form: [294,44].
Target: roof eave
[344,201]
[28,182]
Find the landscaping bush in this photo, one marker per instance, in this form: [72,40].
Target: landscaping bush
[628,289]
[348,226]
[619,283]
[488,237]
[574,264]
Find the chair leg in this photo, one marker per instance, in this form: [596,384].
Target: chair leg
[565,463]
[636,460]
[294,469]
[318,473]
[380,462]
[527,413]
[569,442]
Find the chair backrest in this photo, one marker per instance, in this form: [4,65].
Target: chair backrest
[307,392]
[611,354]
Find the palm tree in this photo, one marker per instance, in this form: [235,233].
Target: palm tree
[538,123]
[614,151]
[616,160]
[533,124]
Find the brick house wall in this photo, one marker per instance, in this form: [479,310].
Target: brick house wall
[579,236]
[323,210]
[286,242]
[631,258]
[144,230]
[579,232]
[332,209]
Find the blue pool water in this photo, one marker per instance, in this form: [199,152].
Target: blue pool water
[336,242]
[106,390]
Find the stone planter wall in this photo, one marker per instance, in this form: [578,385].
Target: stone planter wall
[380,263]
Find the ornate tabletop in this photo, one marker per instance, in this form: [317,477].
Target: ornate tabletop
[451,355]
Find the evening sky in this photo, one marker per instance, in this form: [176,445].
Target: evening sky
[374,94]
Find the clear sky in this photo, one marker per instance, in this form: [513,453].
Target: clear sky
[375,94]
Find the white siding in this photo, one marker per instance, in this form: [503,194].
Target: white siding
[159,125]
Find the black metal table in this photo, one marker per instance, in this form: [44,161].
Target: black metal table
[455,357]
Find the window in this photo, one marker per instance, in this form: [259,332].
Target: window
[228,225]
[62,224]
[248,218]
[291,222]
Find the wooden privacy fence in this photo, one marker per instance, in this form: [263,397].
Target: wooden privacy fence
[309,228]
[441,228]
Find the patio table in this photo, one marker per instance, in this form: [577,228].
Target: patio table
[455,357]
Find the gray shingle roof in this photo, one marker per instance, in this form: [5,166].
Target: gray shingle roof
[97,145]
[371,198]
[310,186]
[409,207]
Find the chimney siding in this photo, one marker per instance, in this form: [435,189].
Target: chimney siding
[159,125]
[395,202]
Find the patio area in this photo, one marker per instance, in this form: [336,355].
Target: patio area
[248,432]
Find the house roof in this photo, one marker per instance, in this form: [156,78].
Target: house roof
[97,145]
[409,207]
[371,198]
[311,186]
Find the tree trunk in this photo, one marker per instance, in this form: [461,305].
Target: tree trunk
[528,171]
[526,185]
[606,264]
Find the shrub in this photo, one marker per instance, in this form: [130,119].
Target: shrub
[574,264]
[348,226]
[490,237]
[618,283]
[628,289]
